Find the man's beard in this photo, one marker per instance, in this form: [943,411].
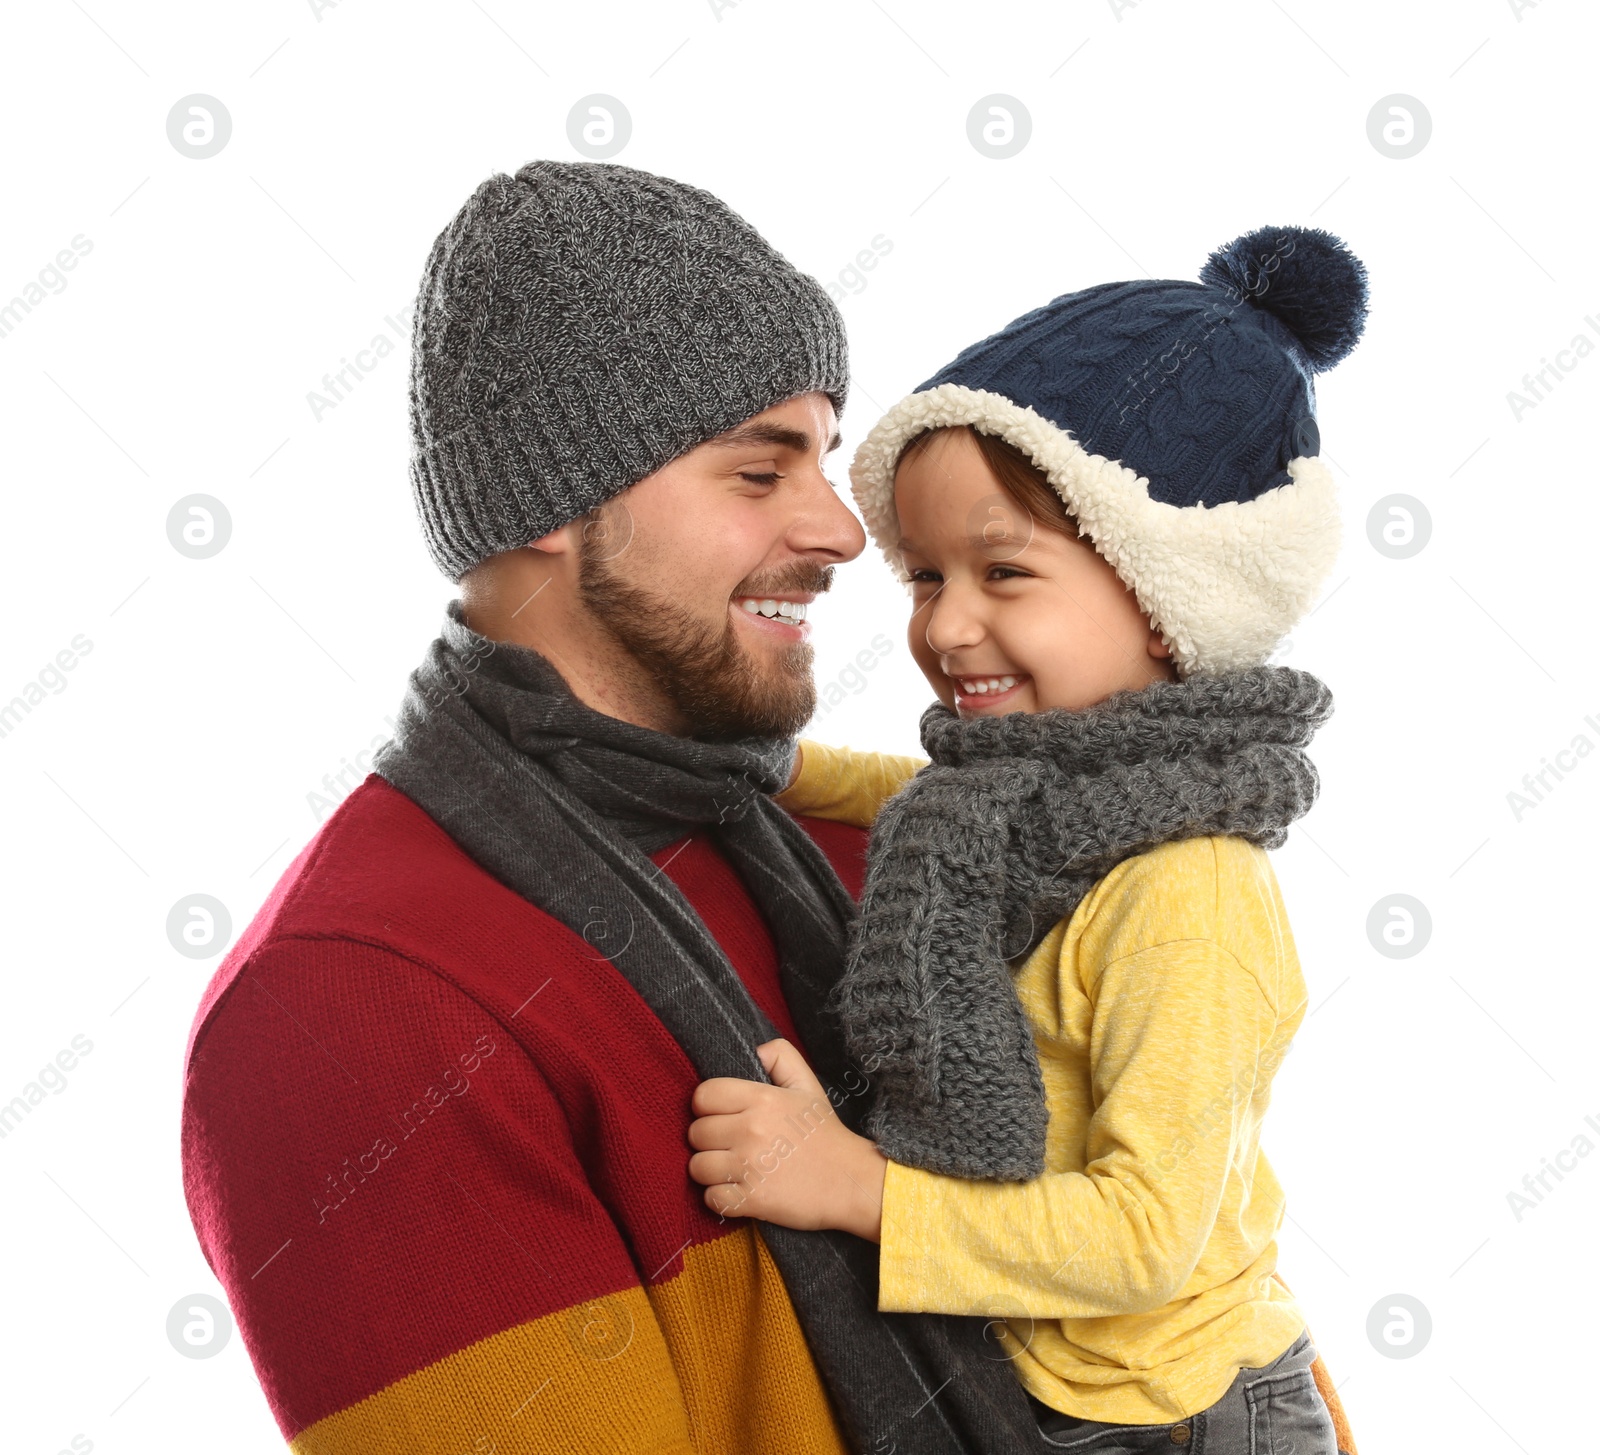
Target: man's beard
[719,685]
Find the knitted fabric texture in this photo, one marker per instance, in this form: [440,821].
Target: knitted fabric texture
[1176,421]
[1203,388]
[562,803]
[1014,821]
[578,326]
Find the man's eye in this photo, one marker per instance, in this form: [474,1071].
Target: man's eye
[770,477]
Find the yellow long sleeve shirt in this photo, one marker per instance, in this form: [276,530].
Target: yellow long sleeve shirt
[1134,1278]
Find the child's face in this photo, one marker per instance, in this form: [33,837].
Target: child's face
[1000,599]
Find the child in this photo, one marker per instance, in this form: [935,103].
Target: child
[1072,977]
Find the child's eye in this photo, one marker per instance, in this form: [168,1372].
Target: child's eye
[924,575]
[1003,573]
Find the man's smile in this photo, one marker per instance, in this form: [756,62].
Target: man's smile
[783,616]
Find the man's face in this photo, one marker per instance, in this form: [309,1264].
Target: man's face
[703,571]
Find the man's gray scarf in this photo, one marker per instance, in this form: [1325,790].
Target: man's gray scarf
[986,849]
[563,805]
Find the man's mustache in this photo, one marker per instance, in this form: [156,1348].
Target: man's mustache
[804,576]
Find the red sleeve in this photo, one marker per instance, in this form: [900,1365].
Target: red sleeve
[389,1192]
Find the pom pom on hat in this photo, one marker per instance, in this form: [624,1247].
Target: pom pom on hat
[1305,278]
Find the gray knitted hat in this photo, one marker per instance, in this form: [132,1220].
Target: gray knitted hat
[581,324]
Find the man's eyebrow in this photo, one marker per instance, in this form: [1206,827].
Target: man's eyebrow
[758,433]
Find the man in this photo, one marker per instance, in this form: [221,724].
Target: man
[437,1095]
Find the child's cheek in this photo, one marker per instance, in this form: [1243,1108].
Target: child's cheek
[925,657]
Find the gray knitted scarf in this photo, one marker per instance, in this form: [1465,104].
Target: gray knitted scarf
[1014,821]
[564,805]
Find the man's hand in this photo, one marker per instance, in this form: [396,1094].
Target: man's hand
[780,1152]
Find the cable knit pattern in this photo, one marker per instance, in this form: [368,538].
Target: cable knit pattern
[578,326]
[1177,422]
[1202,388]
[1014,821]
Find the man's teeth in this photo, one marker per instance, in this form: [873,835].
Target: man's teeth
[788,610]
[975,686]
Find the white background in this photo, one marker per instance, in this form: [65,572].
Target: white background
[179,756]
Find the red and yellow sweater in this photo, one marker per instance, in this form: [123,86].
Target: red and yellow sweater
[434,1149]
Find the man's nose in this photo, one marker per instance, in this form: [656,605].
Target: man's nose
[823,523]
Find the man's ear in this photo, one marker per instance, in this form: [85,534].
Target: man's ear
[561,541]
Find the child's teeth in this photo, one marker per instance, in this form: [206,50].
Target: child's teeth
[974,686]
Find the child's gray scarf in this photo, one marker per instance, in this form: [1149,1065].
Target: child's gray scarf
[985,850]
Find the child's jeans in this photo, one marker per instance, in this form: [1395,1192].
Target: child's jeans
[1273,1409]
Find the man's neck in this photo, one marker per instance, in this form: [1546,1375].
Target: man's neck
[597,669]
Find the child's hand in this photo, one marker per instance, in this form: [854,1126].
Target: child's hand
[780,1153]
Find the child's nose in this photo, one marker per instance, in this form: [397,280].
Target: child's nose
[954,622]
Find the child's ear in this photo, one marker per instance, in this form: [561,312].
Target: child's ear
[1157,646]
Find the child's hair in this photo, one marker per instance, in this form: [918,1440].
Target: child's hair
[1019,477]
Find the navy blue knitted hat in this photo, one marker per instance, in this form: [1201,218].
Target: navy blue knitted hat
[1177,421]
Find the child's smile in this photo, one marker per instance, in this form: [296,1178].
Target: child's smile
[1012,612]
[975,694]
